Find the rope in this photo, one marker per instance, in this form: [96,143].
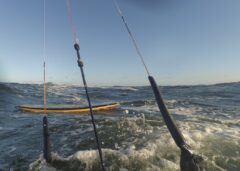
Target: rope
[131,36]
[80,64]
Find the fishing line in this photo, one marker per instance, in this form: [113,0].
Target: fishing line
[44,58]
[70,19]
[80,64]
[132,37]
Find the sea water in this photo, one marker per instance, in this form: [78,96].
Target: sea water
[133,136]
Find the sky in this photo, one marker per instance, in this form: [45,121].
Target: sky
[183,42]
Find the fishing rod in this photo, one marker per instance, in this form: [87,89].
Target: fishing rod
[80,65]
[188,161]
[46,135]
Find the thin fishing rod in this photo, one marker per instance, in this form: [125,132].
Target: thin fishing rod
[178,138]
[44,58]
[189,161]
[80,65]
[46,135]
[131,36]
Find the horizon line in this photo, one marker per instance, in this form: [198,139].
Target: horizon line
[102,85]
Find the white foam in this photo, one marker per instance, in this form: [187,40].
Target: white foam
[125,159]
[161,152]
[41,165]
[185,110]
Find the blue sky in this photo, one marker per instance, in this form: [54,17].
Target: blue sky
[187,42]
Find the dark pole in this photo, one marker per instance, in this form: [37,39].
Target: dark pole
[46,141]
[80,64]
[173,129]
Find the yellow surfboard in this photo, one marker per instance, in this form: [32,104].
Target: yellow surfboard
[66,109]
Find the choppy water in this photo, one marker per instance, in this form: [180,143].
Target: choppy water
[133,136]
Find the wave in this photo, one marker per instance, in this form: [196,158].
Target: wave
[160,154]
[5,88]
[134,136]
